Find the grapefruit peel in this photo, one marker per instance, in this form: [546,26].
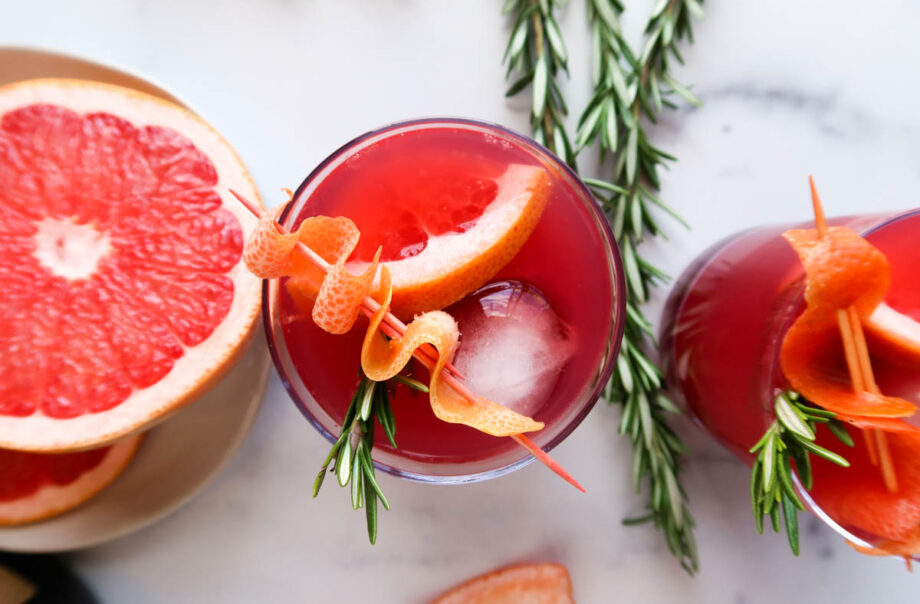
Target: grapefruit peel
[842,270]
[338,294]
[846,281]
[272,255]
[383,358]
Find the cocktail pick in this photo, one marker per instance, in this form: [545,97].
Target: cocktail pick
[858,363]
[427,355]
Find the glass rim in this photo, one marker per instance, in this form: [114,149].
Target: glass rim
[618,286]
[878,221]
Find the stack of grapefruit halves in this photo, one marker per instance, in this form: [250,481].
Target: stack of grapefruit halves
[124,295]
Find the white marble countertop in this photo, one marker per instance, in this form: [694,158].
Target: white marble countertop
[790,87]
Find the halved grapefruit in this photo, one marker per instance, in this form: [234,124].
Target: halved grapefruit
[120,261]
[546,583]
[35,486]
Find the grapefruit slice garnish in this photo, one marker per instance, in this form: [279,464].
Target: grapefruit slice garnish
[120,260]
[35,486]
[546,583]
[898,331]
[382,358]
[460,255]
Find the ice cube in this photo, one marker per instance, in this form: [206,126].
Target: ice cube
[513,346]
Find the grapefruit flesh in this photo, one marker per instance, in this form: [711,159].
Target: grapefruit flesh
[523,584]
[120,260]
[35,486]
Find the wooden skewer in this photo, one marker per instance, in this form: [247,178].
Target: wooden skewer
[427,355]
[858,363]
[856,374]
[879,439]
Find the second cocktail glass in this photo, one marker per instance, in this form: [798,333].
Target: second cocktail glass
[724,325]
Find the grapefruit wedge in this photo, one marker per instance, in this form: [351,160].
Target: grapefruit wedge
[896,330]
[448,234]
[457,262]
[35,486]
[547,583]
[120,261]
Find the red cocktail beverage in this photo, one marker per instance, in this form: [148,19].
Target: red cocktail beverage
[540,337]
[724,327]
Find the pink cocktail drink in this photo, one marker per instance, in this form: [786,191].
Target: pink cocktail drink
[724,326]
[540,337]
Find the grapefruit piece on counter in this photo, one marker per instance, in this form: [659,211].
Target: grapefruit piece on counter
[125,296]
[35,486]
[547,583]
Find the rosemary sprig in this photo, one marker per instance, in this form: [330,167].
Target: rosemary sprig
[789,440]
[536,53]
[628,87]
[350,456]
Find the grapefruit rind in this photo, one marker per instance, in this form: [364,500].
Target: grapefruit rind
[547,583]
[336,295]
[201,366]
[895,329]
[53,500]
[842,270]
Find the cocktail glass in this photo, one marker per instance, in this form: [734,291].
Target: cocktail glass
[726,318]
[571,258]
